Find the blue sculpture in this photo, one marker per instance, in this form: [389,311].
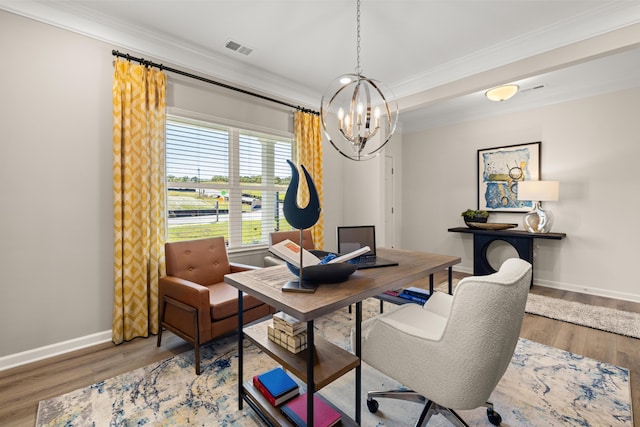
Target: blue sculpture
[298,217]
[301,218]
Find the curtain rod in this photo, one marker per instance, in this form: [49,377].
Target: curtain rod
[204,79]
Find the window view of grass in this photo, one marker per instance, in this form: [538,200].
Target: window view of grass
[200,213]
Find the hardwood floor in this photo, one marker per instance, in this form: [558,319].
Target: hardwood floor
[23,387]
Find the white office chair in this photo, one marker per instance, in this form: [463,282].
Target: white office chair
[453,351]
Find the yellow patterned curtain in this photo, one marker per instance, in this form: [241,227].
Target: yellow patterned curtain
[139,112]
[309,153]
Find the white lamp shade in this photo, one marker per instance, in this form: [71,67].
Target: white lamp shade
[539,191]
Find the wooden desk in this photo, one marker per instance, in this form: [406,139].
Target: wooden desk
[322,362]
[521,240]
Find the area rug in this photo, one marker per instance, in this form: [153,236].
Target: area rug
[603,318]
[543,386]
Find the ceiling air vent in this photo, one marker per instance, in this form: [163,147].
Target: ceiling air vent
[540,86]
[238,47]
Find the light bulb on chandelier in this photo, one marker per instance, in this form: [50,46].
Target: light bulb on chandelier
[359,115]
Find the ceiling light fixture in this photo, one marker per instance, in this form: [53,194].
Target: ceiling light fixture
[501,93]
[356,115]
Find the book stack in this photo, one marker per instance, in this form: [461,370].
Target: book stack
[288,332]
[276,386]
[323,414]
[417,295]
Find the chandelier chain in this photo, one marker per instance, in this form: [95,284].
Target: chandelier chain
[357,116]
[358,69]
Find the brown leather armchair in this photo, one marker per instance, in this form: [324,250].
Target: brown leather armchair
[194,301]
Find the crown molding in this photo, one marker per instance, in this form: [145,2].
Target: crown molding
[155,46]
[198,59]
[610,17]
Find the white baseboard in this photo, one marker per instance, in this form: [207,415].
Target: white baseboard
[588,290]
[574,288]
[29,356]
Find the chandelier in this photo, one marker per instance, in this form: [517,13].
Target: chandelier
[356,115]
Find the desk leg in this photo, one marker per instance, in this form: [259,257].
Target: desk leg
[359,367]
[431,284]
[450,280]
[240,338]
[311,384]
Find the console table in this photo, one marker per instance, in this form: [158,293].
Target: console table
[521,240]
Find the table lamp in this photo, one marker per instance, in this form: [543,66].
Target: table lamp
[538,220]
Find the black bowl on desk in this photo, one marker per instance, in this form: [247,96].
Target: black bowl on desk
[324,273]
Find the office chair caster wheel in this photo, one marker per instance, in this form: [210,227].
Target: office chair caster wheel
[373,405]
[493,416]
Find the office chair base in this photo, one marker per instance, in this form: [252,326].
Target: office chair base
[430,409]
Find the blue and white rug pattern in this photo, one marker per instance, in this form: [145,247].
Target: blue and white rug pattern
[543,386]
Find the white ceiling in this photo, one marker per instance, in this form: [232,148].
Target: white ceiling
[437,56]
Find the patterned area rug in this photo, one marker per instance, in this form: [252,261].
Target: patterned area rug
[603,318]
[543,386]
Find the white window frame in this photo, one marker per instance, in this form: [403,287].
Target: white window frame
[235,190]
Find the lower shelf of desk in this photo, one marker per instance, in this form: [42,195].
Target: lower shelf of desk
[273,414]
[330,361]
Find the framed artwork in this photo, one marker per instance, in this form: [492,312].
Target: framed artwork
[499,171]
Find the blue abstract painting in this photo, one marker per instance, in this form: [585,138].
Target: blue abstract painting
[500,169]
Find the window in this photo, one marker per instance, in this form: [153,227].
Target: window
[225,181]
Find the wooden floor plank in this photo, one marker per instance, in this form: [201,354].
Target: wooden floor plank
[571,338]
[21,388]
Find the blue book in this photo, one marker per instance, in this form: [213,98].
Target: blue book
[277,382]
[417,292]
[413,298]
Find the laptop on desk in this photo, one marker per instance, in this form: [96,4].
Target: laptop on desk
[356,237]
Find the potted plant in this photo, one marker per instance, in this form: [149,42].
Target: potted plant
[471,215]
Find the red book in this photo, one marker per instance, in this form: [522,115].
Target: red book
[275,401]
[323,414]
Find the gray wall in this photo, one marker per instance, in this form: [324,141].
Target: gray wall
[591,146]
[56,227]
[56,219]
[56,216]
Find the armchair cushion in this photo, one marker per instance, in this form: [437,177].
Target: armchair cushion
[202,261]
[414,321]
[223,299]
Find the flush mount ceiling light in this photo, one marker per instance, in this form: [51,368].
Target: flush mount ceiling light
[501,93]
[358,114]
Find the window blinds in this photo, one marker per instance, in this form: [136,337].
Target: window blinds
[225,181]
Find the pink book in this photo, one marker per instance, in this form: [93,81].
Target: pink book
[323,414]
